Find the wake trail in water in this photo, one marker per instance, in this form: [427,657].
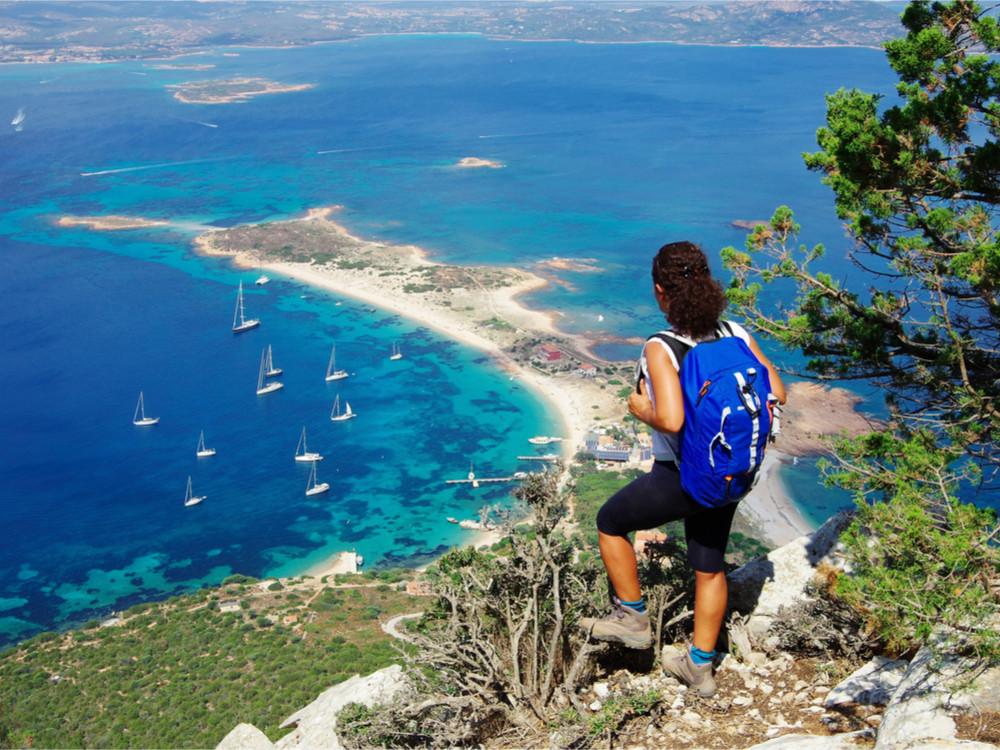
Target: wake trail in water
[359,148]
[143,167]
[516,135]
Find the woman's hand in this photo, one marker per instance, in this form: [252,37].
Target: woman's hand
[639,405]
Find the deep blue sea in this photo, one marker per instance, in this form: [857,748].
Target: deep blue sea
[610,151]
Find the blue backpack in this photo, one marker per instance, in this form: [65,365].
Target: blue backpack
[727,415]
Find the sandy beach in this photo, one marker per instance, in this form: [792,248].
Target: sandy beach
[478,306]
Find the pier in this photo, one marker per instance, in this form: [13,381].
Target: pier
[474,481]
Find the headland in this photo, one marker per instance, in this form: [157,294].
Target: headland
[478,306]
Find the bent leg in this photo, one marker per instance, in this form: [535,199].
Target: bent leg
[618,556]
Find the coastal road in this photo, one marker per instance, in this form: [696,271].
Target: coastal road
[390,626]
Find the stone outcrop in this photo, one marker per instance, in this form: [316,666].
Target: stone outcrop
[912,704]
[316,724]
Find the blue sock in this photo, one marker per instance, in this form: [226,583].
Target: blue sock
[638,606]
[701,657]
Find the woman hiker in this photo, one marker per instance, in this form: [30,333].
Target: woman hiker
[692,302]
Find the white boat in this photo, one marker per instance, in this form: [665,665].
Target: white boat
[240,322]
[262,385]
[332,373]
[302,452]
[204,452]
[190,498]
[540,440]
[140,417]
[271,371]
[18,121]
[312,486]
[359,560]
[262,279]
[335,413]
[396,354]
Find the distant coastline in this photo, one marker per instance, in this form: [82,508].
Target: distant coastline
[83,36]
[478,306]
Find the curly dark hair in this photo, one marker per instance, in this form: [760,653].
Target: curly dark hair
[696,300]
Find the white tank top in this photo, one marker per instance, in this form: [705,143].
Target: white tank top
[666,445]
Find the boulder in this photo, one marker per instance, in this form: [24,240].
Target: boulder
[764,585]
[245,737]
[316,724]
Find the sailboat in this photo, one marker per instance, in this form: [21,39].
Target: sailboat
[271,371]
[396,353]
[336,415]
[312,486]
[140,417]
[332,373]
[262,385]
[189,497]
[204,452]
[240,323]
[302,452]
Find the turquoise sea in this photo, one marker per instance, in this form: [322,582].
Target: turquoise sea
[609,151]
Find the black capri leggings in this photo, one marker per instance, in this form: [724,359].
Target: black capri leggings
[656,498]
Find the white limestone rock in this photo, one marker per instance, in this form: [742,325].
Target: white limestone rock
[316,724]
[872,685]
[245,737]
[763,586]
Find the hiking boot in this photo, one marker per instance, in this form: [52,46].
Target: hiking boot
[697,676]
[624,625]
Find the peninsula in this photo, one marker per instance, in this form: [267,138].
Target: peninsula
[478,306]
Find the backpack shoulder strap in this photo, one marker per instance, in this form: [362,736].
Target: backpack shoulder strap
[677,346]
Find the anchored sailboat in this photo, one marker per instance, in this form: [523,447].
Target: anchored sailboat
[312,486]
[271,371]
[396,353]
[140,417]
[204,452]
[241,323]
[302,452]
[190,498]
[336,415]
[332,373]
[262,385]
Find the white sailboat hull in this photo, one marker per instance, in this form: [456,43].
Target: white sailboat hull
[270,388]
[338,375]
[140,418]
[246,325]
[319,489]
[308,458]
[240,323]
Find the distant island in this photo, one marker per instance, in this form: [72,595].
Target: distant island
[472,162]
[233,90]
[90,31]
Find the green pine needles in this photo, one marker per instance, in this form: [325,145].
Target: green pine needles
[917,185]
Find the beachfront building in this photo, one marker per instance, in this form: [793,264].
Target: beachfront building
[550,353]
[618,447]
[588,370]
